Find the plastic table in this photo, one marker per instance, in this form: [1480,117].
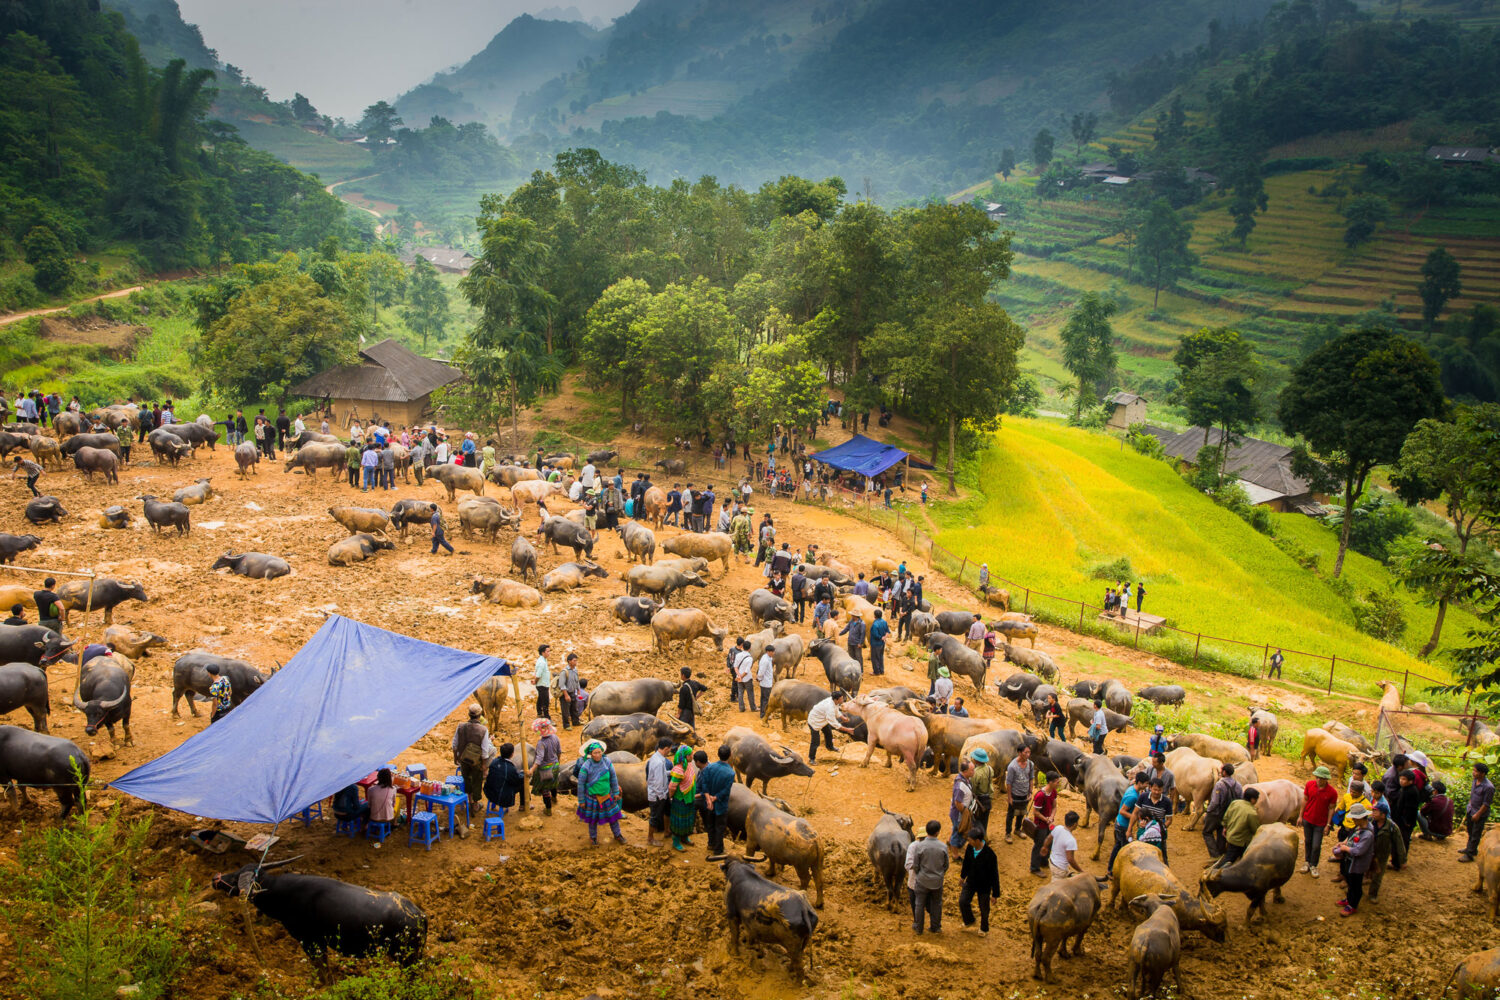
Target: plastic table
[449,802]
[407,793]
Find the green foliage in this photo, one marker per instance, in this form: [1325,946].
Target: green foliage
[1115,571]
[1007,164]
[1025,397]
[1161,247]
[1378,522]
[1218,380]
[1467,351]
[1440,282]
[1089,348]
[82,918]
[1364,215]
[1042,145]
[1143,442]
[384,980]
[427,301]
[1476,664]
[51,266]
[1380,614]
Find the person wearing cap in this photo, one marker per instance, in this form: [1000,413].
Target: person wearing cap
[979,875]
[1125,816]
[598,792]
[1020,776]
[982,782]
[1319,798]
[984,580]
[740,528]
[1481,794]
[472,752]
[942,688]
[1389,850]
[1159,742]
[1241,820]
[1355,855]
[220,692]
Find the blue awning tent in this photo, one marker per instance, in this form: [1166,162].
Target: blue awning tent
[865,456]
[351,699]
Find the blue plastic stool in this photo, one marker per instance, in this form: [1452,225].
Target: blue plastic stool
[494,826]
[494,809]
[423,829]
[417,770]
[350,826]
[312,812]
[377,830]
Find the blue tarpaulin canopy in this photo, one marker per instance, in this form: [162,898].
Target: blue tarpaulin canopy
[351,699]
[865,456]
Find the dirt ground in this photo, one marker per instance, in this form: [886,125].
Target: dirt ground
[543,914]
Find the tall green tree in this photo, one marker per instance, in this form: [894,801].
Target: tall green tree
[1440,282]
[1218,380]
[379,123]
[1088,343]
[1007,163]
[1476,666]
[1042,145]
[1364,215]
[1247,197]
[686,333]
[1458,464]
[1161,247]
[270,335]
[427,307]
[1084,128]
[782,387]
[1353,402]
[610,348]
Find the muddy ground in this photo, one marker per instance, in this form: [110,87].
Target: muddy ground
[544,914]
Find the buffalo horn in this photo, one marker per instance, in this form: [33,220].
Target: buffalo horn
[115,702]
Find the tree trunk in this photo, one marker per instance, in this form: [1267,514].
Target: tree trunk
[549,333]
[1338,564]
[952,425]
[1437,630]
[515,430]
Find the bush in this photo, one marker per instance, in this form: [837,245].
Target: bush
[51,265]
[1381,615]
[1378,523]
[1143,443]
[1115,571]
[383,980]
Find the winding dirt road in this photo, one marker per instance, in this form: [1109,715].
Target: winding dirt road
[118,293]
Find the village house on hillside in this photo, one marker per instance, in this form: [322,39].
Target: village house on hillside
[1263,469]
[1462,154]
[389,382]
[449,260]
[1125,408]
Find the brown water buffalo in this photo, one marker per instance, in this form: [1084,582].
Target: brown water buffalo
[1194,776]
[200,492]
[1266,866]
[91,460]
[771,914]
[312,457]
[570,575]
[492,694]
[1477,977]
[785,841]
[741,799]
[637,732]
[370,520]
[561,531]
[886,850]
[715,546]
[755,759]
[1268,726]
[107,594]
[1033,660]
[532,491]
[1163,694]
[654,506]
[1060,910]
[684,625]
[1350,735]
[857,607]
[1156,945]
[1081,713]
[998,598]
[960,660]
[131,643]
[510,475]
[1209,746]
[1003,745]
[507,593]
[640,542]
[485,515]
[660,580]
[457,477]
[1488,883]
[897,734]
[696,564]
[1319,745]
[635,610]
[46,451]
[642,694]
[760,640]
[792,700]
[356,548]
[1012,631]
[946,735]
[522,556]
[1280,801]
[1139,869]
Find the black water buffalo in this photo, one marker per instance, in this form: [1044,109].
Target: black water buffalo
[834,576]
[672,466]
[190,674]
[643,694]
[772,914]
[1061,758]
[793,699]
[960,660]
[1018,687]
[887,851]
[1266,866]
[107,594]
[103,696]
[195,434]
[33,644]
[41,510]
[787,842]
[405,513]
[841,669]
[767,607]
[637,732]
[954,622]
[1081,712]
[1163,694]
[755,759]
[561,531]
[256,565]
[161,515]
[600,457]
[25,686]
[635,610]
[13,545]
[741,801]
[324,914]
[11,441]
[42,761]
[107,442]
[168,447]
[1103,787]
[91,460]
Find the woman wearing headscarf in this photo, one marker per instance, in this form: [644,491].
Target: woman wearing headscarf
[548,758]
[681,790]
[598,792]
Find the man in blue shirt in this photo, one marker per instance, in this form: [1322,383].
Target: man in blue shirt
[1126,813]
[879,629]
[715,782]
[706,517]
[862,587]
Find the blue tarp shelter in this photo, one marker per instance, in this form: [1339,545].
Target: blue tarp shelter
[351,699]
[865,456]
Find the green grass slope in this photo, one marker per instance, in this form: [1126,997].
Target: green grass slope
[1058,502]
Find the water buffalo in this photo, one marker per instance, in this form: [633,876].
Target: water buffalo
[114,517]
[1488,883]
[636,732]
[103,696]
[33,644]
[793,700]
[37,760]
[684,625]
[507,593]
[741,799]
[946,735]
[1155,946]
[1139,869]
[310,458]
[91,460]
[767,607]
[715,546]
[246,459]
[1081,713]
[922,625]
[356,519]
[1477,977]
[256,565]
[635,610]
[696,564]
[600,457]
[640,542]
[1163,694]
[1061,758]
[532,491]
[13,545]
[895,733]
[492,694]
[787,842]
[165,515]
[324,914]
[106,442]
[356,548]
[485,515]
[1268,727]
[1003,745]
[200,492]
[841,669]
[405,513]
[659,580]
[522,556]
[1280,800]
[68,423]
[10,441]
[1012,631]
[960,660]
[1103,788]
[190,676]
[570,575]
[44,509]
[510,475]
[1266,866]
[309,437]
[561,531]
[1210,746]
[107,594]
[886,849]
[25,686]
[836,577]
[654,506]
[643,694]
[672,466]
[786,655]
[1116,696]
[1038,701]
[130,643]
[1354,736]
[1018,687]
[1060,910]
[771,914]
[954,622]
[168,447]
[1030,659]
[195,434]
[754,759]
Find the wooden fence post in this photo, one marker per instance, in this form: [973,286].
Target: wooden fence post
[1332,660]
[1137,631]
[1405,678]
[1081,606]
[962,568]
[1026,609]
[1196,646]
[1264,659]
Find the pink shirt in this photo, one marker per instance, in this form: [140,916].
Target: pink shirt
[382,804]
[976,631]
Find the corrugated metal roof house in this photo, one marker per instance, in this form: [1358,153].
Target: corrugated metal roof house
[389,382]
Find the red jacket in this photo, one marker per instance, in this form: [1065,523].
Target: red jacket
[1320,801]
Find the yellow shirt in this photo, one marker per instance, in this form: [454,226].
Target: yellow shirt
[1347,802]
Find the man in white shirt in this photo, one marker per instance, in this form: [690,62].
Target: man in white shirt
[586,477]
[823,720]
[1062,848]
[543,682]
[765,676]
[441,456]
[744,675]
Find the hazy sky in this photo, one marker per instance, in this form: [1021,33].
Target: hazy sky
[346,54]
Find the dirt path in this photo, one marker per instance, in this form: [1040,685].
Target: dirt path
[543,914]
[363,208]
[10,318]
